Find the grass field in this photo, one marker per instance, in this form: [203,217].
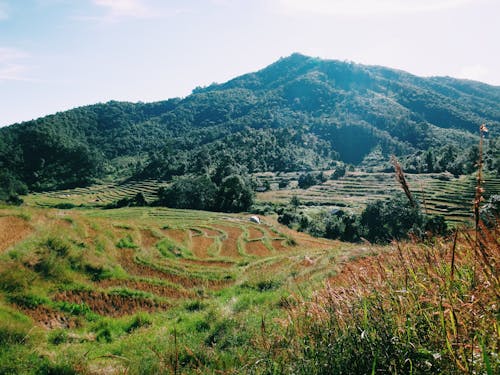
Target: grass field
[101,290]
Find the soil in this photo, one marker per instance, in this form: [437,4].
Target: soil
[49,318]
[159,290]
[254,234]
[229,246]
[257,248]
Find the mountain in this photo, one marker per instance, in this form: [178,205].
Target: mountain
[298,113]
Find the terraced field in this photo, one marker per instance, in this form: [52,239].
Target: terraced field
[157,290]
[438,193]
[98,195]
[124,261]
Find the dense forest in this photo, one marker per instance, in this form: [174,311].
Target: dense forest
[300,113]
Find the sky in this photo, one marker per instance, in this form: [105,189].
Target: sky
[60,54]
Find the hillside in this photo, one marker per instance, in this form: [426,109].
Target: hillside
[93,281]
[162,291]
[298,113]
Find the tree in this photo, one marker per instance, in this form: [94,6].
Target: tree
[235,194]
[306,181]
[195,192]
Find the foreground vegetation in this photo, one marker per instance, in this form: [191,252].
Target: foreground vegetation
[416,308]
[147,290]
[152,290]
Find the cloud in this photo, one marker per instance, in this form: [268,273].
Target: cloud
[368,7]
[125,8]
[12,65]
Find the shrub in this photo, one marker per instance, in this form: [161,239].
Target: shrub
[307,180]
[126,243]
[15,278]
[138,321]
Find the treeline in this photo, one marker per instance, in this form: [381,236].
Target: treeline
[380,222]
[257,150]
[454,159]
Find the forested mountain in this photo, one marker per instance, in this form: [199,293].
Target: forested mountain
[298,113]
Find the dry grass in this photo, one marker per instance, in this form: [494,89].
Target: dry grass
[438,302]
[257,248]
[229,246]
[12,231]
[200,245]
[178,235]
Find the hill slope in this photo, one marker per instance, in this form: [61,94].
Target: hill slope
[297,113]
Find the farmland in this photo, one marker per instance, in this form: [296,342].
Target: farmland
[102,288]
[438,193]
[156,290]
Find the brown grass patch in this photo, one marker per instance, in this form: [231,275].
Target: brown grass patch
[12,231]
[229,246]
[178,235]
[159,290]
[148,239]
[111,304]
[278,245]
[49,318]
[199,246]
[257,248]
[211,232]
[255,233]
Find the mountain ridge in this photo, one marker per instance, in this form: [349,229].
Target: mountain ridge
[307,111]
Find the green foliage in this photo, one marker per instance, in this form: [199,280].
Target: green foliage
[11,187]
[232,193]
[195,192]
[126,242]
[15,278]
[278,119]
[136,201]
[380,222]
[138,321]
[29,301]
[339,172]
[235,194]
[397,219]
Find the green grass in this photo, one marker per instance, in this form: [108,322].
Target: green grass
[184,312]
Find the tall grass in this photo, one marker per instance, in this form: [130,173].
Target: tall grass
[415,310]
[420,308]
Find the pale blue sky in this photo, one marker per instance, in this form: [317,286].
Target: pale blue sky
[58,54]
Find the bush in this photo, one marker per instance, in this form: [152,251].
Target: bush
[307,180]
[126,243]
[14,279]
[339,172]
